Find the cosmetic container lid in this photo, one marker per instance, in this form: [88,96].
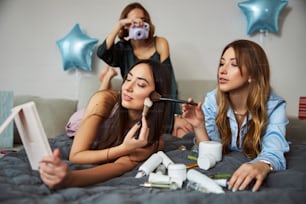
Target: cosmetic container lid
[211,147]
[206,161]
[140,174]
[177,167]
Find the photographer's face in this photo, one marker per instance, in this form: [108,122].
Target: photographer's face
[137,16]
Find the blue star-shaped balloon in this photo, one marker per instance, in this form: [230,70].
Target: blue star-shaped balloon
[77,49]
[262,15]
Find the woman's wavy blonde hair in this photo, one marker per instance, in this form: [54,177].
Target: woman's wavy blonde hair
[253,57]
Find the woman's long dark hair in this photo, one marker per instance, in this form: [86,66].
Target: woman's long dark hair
[116,132]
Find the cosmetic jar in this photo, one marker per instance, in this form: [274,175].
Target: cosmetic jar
[177,171]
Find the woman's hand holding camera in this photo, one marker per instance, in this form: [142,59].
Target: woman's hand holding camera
[128,22]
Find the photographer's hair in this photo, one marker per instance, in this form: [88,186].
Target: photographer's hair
[157,115]
[124,32]
[253,57]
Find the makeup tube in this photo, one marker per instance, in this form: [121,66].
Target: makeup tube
[149,165]
[166,160]
[204,181]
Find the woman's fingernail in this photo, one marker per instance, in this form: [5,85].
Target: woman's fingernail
[229,187]
[234,190]
[254,190]
[139,122]
[240,188]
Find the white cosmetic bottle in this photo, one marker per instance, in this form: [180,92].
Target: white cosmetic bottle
[204,181]
[166,160]
[149,165]
[164,179]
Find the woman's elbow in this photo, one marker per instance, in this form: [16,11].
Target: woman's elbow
[74,158]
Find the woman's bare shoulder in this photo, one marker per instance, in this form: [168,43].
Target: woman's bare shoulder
[106,94]
[162,47]
[102,102]
[161,40]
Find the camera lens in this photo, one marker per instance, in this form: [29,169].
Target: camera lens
[139,33]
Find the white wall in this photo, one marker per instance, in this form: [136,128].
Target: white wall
[197,31]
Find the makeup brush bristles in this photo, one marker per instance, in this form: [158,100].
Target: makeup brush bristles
[155,96]
[147,105]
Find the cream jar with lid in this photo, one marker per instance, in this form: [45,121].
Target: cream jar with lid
[177,171]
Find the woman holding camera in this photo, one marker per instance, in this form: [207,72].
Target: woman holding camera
[137,41]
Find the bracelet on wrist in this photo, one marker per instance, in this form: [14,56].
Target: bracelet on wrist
[269,163]
[178,115]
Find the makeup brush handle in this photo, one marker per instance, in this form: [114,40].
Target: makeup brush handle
[136,135]
[178,101]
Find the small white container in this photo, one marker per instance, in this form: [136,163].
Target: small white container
[177,171]
[211,147]
[206,161]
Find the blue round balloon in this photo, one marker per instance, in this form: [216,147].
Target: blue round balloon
[262,15]
[77,49]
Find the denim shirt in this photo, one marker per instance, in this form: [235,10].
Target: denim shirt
[273,143]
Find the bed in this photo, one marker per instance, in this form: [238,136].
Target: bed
[19,184]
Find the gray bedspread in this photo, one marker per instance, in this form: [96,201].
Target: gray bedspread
[19,184]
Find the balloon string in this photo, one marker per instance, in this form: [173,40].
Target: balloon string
[262,37]
[77,85]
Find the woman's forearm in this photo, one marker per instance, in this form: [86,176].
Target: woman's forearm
[99,156]
[112,36]
[101,173]
[200,134]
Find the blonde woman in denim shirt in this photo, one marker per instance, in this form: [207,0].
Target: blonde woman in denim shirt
[244,114]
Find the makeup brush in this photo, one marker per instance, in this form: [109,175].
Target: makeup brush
[147,105]
[157,97]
